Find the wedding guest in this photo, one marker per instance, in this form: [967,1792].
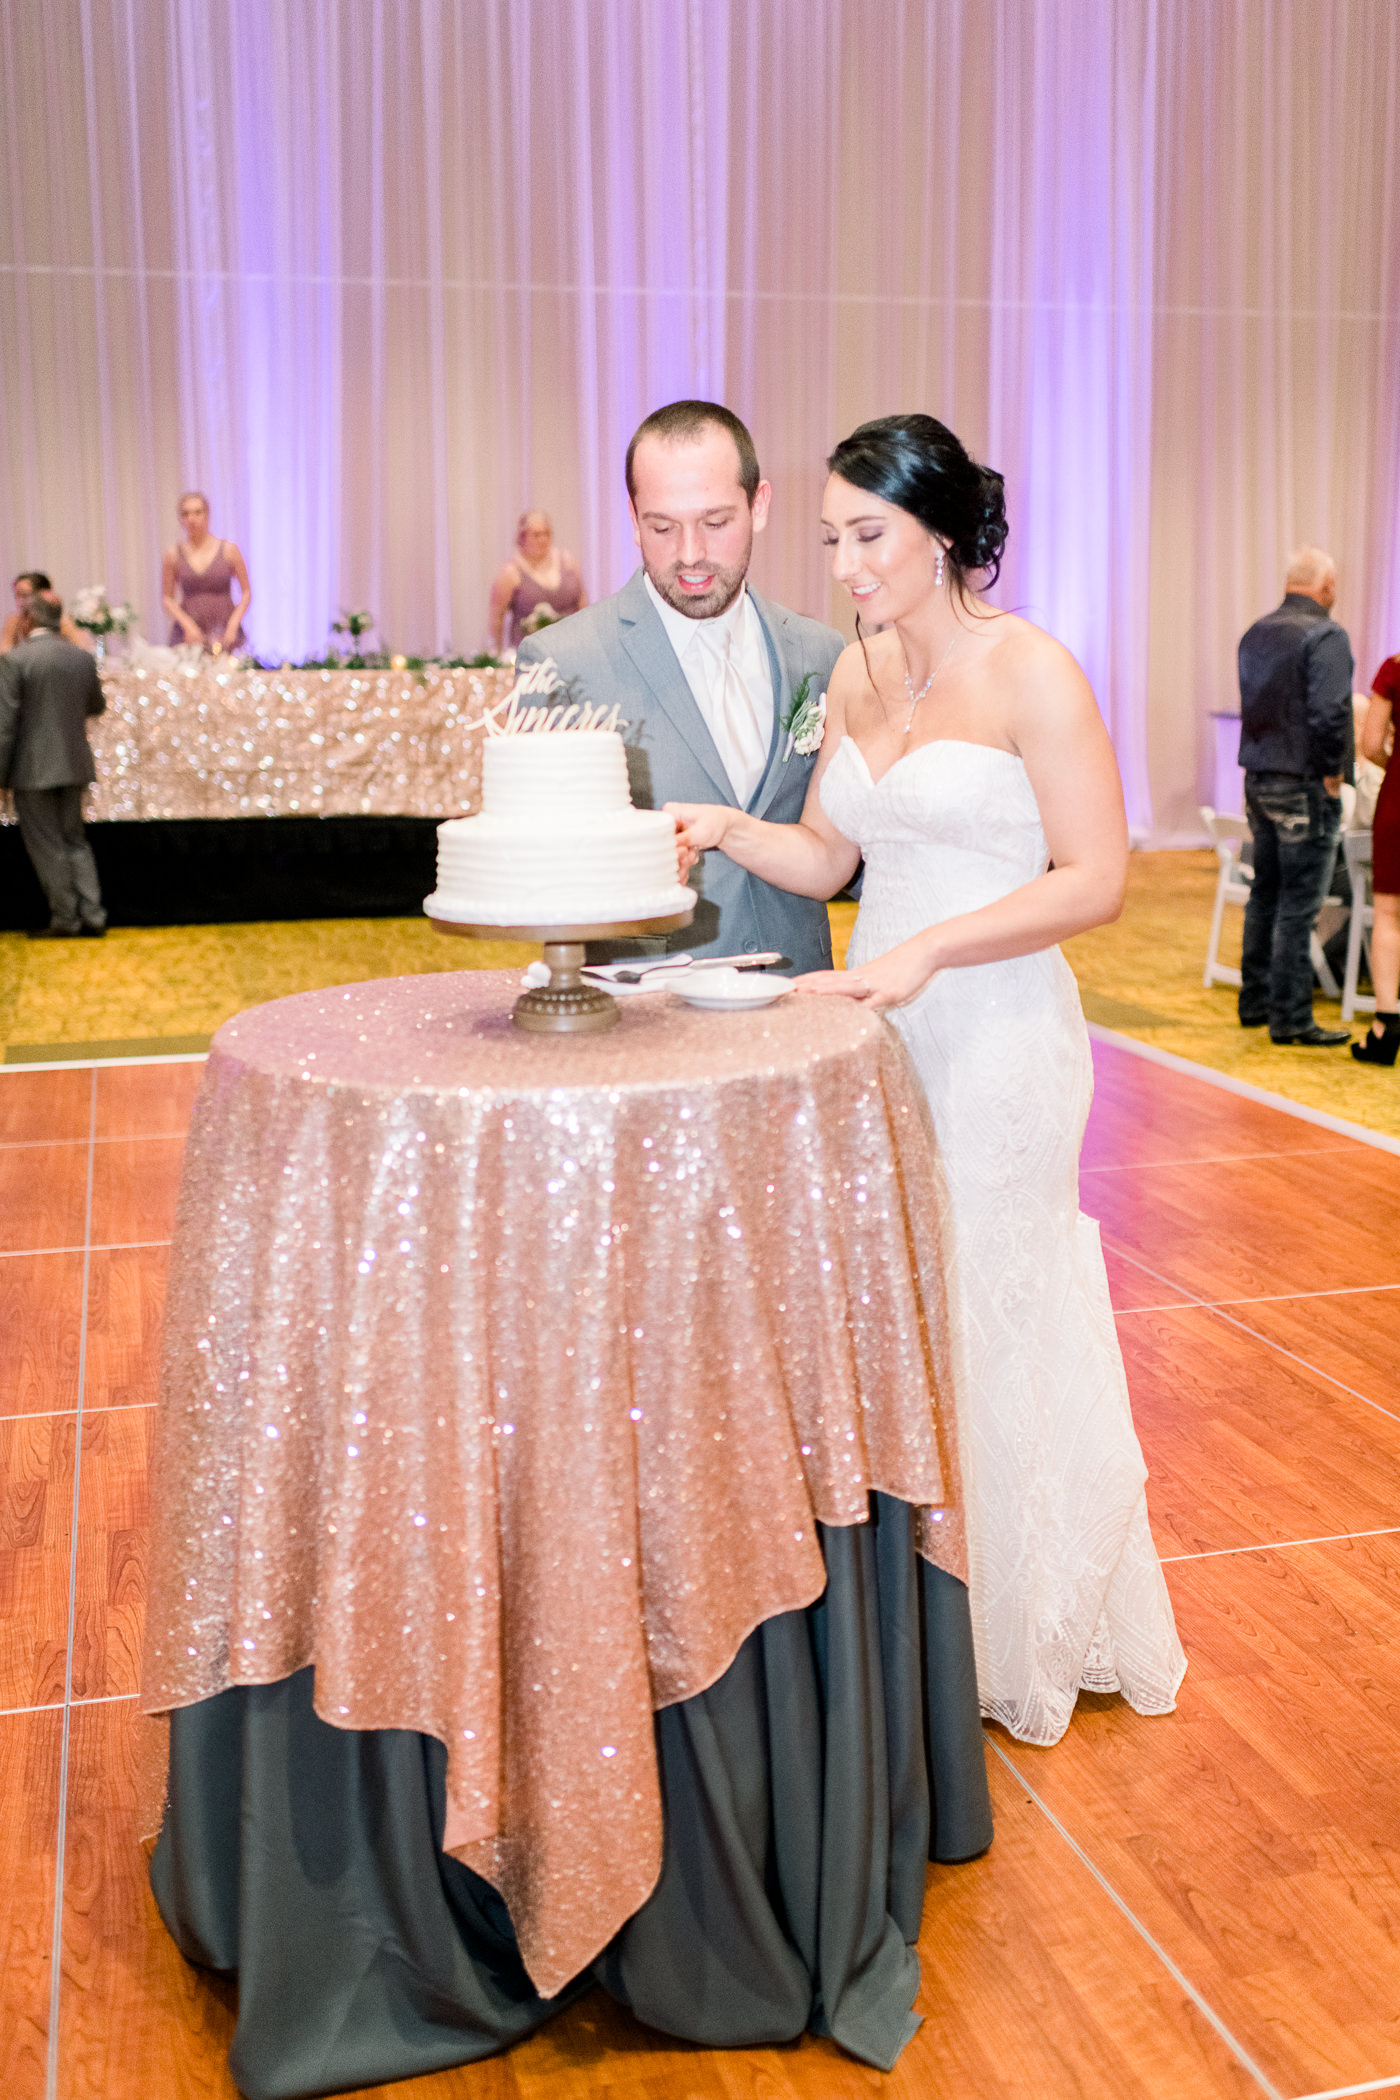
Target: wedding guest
[539,577]
[196,584]
[1295,669]
[1383,1040]
[48,689]
[16,627]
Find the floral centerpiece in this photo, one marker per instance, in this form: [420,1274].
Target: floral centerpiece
[91,610]
[383,660]
[353,623]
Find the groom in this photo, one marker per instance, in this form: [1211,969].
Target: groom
[705,671]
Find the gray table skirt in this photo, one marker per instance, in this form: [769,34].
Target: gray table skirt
[803,1795]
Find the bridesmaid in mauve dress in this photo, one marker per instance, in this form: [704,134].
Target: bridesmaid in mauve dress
[197,579]
[540,574]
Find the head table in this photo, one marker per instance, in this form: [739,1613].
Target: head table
[218,738]
[226,791]
[509,1380]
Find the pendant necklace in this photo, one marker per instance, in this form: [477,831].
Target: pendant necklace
[915,698]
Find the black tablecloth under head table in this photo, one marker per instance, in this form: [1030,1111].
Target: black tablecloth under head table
[200,871]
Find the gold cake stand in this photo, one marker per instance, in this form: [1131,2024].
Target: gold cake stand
[566,1005]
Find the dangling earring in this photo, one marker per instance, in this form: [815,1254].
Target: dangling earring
[938,568]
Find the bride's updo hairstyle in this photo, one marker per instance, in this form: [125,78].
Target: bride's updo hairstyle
[916,463]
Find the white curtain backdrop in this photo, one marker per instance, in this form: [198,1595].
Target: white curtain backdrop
[377,274]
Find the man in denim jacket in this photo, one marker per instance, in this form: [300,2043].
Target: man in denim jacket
[1296,748]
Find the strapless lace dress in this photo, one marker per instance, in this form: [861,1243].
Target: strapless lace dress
[1066,1588]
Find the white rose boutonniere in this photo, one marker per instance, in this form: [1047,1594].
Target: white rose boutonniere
[805,721]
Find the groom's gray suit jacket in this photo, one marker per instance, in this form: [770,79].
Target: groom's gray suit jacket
[619,651]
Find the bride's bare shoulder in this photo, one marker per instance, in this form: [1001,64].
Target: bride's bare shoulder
[848,672]
[858,660]
[1031,666]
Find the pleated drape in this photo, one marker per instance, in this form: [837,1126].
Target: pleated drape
[379,273]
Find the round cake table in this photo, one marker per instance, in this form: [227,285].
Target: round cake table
[556,1504]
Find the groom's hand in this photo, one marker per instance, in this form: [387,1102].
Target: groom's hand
[699,826]
[686,855]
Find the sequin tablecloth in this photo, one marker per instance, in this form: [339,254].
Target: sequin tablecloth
[508,1376]
[215,742]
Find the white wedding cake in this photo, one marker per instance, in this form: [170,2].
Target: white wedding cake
[557,842]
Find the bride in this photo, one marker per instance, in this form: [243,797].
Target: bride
[963,756]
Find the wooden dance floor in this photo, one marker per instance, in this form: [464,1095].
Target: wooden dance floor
[1178,1909]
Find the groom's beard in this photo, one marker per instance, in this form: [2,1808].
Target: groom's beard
[704,605]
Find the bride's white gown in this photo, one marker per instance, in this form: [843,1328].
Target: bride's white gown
[1066,1588]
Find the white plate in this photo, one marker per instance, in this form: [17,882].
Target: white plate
[728,990]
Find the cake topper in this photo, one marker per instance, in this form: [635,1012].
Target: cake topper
[521,714]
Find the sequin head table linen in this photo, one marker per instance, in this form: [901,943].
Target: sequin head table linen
[213,741]
[506,1380]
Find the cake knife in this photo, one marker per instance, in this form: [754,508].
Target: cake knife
[614,973]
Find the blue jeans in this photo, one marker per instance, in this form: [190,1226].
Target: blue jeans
[1296,825]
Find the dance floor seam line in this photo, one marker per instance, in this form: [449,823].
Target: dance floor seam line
[102,1247]
[1343,1290]
[1329,1538]
[1122,1312]
[1178,1975]
[103,1407]
[111,1137]
[1215,1159]
[55,1706]
[1192,1303]
[66,1737]
[1307,1365]
[1346,2092]
[1172,1305]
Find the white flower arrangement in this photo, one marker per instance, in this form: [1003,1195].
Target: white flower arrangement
[90,610]
[805,721]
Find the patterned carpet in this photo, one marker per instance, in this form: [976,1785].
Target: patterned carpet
[147,991]
[144,990]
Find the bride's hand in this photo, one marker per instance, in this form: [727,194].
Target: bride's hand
[699,826]
[891,980]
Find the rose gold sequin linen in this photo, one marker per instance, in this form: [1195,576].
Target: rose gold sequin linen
[507,1378]
[223,743]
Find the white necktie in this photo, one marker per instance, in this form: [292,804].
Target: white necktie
[733,723]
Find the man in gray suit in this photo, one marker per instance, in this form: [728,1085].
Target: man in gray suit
[705,671]
[48,688]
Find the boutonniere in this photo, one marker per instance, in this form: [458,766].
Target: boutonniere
[805,721]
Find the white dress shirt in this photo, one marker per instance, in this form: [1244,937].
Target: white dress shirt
[726,666]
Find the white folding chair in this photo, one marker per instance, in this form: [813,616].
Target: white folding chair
[1357,847]
[1227,834]
[1232,887]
